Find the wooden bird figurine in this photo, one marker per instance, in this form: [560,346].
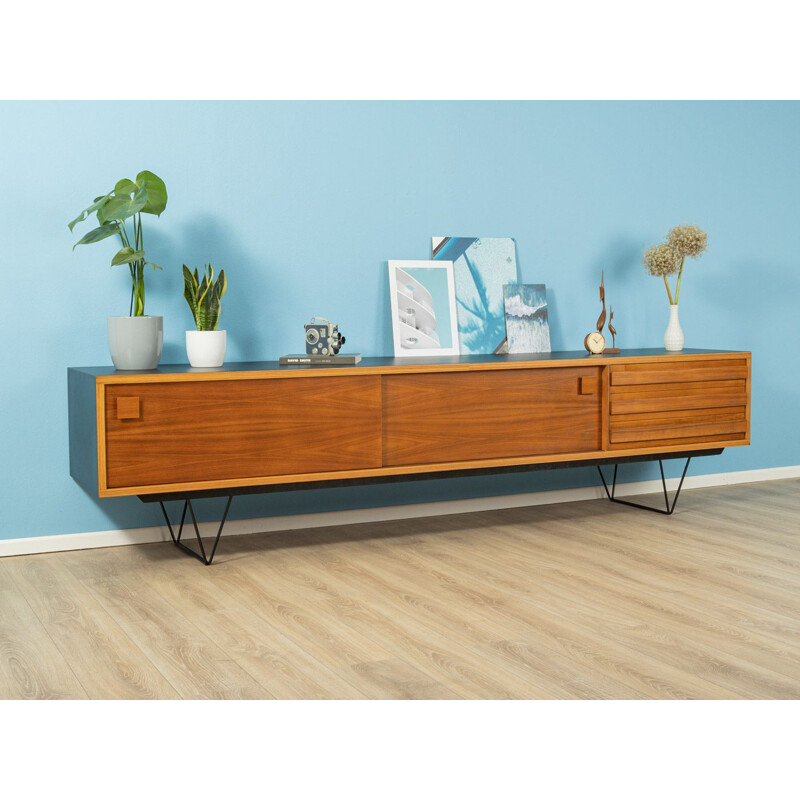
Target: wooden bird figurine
[611,329]
[601,320]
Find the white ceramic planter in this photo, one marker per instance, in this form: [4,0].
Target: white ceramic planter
[673,337]
[206,348]
[135,342]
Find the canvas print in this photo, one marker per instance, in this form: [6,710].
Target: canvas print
[423,308]
[526,318]
[481,267]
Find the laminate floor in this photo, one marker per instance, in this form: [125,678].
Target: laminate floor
[579,600]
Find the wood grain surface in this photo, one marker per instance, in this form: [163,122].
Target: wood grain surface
[689,402]
[220,431]
[679,372]
[666,425]
[394,419]
[464,417]
[578,600]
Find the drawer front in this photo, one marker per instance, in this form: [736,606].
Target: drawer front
[469,416]
[184,432]
[675,403]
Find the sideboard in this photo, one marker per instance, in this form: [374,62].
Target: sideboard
[178,432]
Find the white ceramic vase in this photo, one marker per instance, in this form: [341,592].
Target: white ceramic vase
[206,348]
[673,337]
[135,342]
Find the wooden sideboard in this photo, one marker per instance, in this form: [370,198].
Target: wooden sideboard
[177,430]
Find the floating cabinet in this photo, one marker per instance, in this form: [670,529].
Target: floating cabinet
[179,430]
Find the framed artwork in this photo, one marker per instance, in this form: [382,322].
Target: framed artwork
[423,305]
[481,267]
[527,325]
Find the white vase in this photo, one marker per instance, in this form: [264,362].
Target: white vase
[206,348]
[673,337]
[135,342]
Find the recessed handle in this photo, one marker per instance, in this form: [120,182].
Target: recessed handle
[589,385]
[128,408]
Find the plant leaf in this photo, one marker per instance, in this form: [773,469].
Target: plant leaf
[98,234]
[122,207]
[98,201]
[190,291]
[138,291]
[202,291]
[213,311]
[150,263]
[125,186]
[156,192]
[126,255]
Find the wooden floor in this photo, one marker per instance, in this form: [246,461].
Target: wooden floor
[579,600]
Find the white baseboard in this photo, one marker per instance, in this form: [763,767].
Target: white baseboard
[237,527]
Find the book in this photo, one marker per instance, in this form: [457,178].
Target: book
[342,360]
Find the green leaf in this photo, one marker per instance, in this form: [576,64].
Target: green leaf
[151,264]
[213,311]
[122,188]
[98,201]
[122,207]
[98,234]
[156,192]
[125,186]
[224,281]
[126,256]
[138,291]
[202,292]
[190,291]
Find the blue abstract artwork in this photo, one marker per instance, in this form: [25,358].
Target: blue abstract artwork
[527,325]
[481,267]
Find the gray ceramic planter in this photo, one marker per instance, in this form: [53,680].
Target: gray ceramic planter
[135,342]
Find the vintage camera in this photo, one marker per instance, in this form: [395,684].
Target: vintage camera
[323,337]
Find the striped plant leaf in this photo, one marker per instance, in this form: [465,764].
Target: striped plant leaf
[190,290]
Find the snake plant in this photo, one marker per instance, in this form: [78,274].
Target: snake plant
[204,296]
[127,200]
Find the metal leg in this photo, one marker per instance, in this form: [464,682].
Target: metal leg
[669,508]
[176,539]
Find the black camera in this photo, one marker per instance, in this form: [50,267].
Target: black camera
[323,337]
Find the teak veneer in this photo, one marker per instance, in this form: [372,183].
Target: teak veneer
[177,430]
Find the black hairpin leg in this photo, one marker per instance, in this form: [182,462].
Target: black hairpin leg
[669,509]
[201,556]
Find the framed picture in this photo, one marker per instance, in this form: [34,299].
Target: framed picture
[423,301]
[481,267]
[526,318]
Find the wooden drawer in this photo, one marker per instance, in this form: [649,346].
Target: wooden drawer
[185,432]
[679,402]
[469,416]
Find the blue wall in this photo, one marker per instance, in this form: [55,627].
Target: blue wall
[303,203]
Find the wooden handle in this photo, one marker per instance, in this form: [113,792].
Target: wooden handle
[128,408]
[589,385]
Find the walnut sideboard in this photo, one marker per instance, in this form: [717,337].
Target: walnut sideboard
[177,432]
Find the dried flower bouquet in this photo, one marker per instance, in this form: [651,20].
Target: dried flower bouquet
[669,257]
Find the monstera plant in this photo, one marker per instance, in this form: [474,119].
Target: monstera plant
[135,340]
[120,208]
